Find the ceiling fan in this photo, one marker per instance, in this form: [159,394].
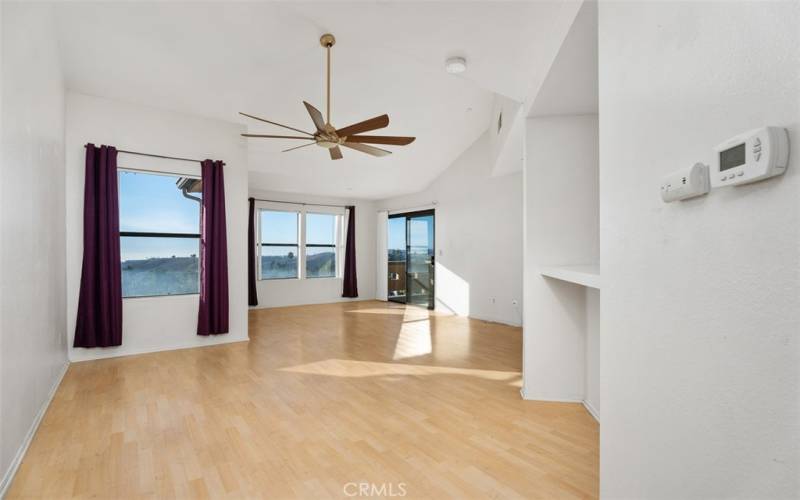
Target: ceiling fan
[329,137]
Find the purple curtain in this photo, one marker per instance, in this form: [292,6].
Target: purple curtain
[252,293]
[99,322]
[350,287]
[212,317]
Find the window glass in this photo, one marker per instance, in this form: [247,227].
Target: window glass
[320,245]
[159,266]
[159,235]
[153,203]
[278,227]
[279,246]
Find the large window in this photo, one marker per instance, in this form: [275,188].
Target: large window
[159,234]
[279,247]
[298,244]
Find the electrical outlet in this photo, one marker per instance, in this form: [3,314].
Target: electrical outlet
[492,300]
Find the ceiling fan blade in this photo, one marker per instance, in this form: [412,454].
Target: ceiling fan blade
[336,153]
[316,116]
[371,150]
[274,123]
[298,147]
[365,126]
[277,136]
[381,139]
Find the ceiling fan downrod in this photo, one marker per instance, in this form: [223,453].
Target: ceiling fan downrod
[327,40]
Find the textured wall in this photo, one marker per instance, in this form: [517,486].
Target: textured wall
[32,292]
[700,354]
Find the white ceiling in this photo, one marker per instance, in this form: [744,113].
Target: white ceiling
[217,58]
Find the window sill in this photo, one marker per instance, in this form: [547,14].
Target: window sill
[261,280]
[156,297]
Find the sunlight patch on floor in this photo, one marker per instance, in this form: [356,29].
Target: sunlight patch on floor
[356,369]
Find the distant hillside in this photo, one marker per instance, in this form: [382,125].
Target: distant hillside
[160,276]
[285,266]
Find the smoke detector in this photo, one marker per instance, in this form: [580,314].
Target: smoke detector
[455,65]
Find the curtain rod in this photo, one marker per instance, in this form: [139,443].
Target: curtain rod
[300,203]
[158,156]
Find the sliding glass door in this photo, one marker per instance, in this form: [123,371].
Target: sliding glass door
[412,258]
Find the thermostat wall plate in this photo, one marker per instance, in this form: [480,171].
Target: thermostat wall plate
[751,157]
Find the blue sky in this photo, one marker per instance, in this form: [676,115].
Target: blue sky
[421,232]
[153,203]
[281,227]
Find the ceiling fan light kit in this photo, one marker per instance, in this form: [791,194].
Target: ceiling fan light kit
[329,137]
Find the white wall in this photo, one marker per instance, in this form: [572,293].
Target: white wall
[279,293]
[700,358]
[32,285]
[157,323]
[478,236]
[561,228]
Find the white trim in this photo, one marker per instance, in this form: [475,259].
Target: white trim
[529,397]
[431,206]
[382,244]
[592,410]
[8,478]
[147,350]
[495,320]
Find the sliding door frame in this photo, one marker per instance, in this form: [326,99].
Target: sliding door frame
[407,216]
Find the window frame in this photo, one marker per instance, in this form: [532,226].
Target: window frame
[155,234]
[302,210]
[260,244]
[337,240]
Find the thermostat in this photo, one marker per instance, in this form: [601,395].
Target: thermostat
[750,157]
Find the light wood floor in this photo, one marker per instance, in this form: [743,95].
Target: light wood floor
[321,396]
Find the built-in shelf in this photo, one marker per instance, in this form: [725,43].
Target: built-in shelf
[585,274]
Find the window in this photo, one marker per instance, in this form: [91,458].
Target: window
[320,245]
[159,219]
[279,255]
[291,238]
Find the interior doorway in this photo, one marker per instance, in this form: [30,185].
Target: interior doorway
[412,258]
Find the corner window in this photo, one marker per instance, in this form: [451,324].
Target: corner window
[159,233]
[279,246]
[299,244]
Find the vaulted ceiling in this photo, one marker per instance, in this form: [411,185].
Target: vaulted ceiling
[214,59]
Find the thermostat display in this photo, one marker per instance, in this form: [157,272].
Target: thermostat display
[751,157]
[733,157]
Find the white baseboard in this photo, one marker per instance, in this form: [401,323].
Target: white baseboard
[548,399]
[93,355]
[494,320]
[592,410]
[8,477]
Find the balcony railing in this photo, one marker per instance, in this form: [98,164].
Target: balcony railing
[397,278]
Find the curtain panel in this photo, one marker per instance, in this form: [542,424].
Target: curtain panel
[252,292]
[350,284]
[212,318]
[99,320]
